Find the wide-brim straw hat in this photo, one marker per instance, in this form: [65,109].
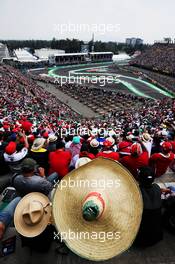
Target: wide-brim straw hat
[32,214]
[86,207]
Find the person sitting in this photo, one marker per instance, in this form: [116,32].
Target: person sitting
[33,179]
[162,160]
[150,231]
[6,215]
[14,153]
[108,152]
[75,146]
[52,142]
[39,153]
[137,159]
[59,160]
[124,147]
[94,146]
[85,152]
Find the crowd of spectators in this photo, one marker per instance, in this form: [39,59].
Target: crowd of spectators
[21,95]
[161,80]
[93,97]
[159,57]
[41,140]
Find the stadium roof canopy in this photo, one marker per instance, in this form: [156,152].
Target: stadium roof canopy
[24,56]
[98,53]
[45,53]
[70,54]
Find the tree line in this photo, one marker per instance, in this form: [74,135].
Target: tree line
[71,45]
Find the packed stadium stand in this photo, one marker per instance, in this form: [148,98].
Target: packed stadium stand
[159,57]
[36,126]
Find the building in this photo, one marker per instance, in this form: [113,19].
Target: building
[4,53]
[101,56]
[134,41]
[78,58]
[43,54]
[23,55]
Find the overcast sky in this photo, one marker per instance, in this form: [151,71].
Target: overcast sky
[112,20]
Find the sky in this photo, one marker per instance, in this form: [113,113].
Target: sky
[110,20]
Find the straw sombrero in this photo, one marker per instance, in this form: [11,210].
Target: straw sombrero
[32,214]
[101,198]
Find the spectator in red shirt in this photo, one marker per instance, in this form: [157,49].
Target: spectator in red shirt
[162,160]
[137,159]
[59,160]
[108,152]
[124,147]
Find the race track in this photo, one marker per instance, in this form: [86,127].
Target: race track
[99,74]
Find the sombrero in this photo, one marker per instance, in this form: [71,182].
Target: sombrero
[32,214]
[103,199]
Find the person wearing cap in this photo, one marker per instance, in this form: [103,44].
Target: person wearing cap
[137,159]
[33,179]
[12,156]
[75,146]
[124,147]
[107,151]
[59,160]
[150,231]
[162,160]
[39,153]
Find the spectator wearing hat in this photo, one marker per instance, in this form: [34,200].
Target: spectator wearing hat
[14,157]
[39,153]
[137,159]
[52,142]
[33,179]
[150,231]
[107,151]
[124,147]
[94,146]
[75,146]
[162,160]
[59,160]
[147,141]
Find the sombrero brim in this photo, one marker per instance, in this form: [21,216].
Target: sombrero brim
[122,213]
[24,229]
